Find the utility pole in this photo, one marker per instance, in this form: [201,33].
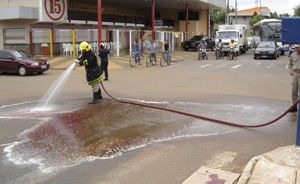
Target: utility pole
[227,7]
[261,16]
[235,11]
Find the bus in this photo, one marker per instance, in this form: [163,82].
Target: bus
[270,30]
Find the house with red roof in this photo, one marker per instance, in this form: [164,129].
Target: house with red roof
[244,16]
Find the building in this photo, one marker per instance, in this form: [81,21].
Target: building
[244,16]
[58,26]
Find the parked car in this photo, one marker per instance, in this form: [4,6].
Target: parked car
[267,49]
[195,40]
[256,40]
[17,61]
[251,42]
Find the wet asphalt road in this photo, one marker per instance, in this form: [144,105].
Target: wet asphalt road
[113,142]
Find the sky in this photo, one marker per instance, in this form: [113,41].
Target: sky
[280,6]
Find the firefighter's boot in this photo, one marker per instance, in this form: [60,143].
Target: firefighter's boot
[99,94]
[95,98]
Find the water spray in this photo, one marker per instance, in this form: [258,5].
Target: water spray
[54,89]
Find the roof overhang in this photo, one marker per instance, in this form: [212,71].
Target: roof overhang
[19,12]
[164,4]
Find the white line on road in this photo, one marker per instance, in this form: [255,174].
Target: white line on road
[270,65]
[236,66]
[203,66]
[222,65]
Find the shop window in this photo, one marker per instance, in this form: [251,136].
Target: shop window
[40,35]
[14,36]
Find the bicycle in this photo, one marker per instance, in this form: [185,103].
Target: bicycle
[218,53]
[165,58]
[151,60]
[201,54]
[231,54]
[133,60]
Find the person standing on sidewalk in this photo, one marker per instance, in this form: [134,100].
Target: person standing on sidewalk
[103,53]
[293,66]
[93,72]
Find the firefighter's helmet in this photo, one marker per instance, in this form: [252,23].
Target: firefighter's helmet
[85,46]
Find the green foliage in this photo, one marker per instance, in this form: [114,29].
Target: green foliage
[218,15]
[274,15]
[297,11]
[255,19]
[284,15]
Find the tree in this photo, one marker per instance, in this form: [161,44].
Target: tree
[284,15]
[256,18]
[297,10]
[274,15]
[219,16]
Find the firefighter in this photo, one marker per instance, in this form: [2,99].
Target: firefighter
[93,72]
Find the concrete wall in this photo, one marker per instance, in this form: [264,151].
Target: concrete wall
[27,3]
[196,27]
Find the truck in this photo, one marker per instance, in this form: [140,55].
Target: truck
[290,30]
[237,32]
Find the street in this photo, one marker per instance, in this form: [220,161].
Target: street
[118,143]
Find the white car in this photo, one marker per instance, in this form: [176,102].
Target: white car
[251,42]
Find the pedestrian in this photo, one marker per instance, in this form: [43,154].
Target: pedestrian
[293,66]
[93,72]
[103,53]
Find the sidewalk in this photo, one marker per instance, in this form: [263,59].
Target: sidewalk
[115,62]
[280,166]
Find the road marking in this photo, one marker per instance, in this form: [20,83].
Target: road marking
[268,67]
[222,65]
[203,66]
[236,66]
[51,61]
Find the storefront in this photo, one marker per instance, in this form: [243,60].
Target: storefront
[44,27]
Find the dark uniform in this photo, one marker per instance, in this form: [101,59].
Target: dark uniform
[93,72]
[103,53]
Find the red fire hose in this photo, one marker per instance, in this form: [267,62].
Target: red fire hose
[201,117]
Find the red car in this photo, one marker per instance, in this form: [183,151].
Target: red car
[17,61]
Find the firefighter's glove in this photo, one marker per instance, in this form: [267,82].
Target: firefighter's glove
[85,62]
[76,62]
